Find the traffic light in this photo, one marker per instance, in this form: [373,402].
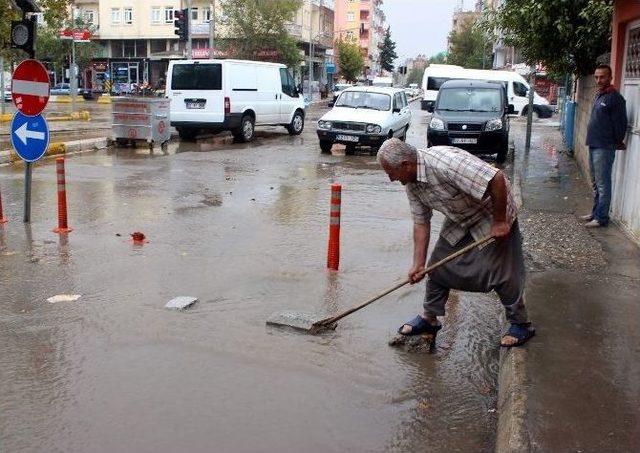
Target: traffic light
[23,35]
[181,23]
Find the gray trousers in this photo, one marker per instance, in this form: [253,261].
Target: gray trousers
[498,266]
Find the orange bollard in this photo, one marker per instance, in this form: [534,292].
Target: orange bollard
[62,198]
[2,219]
[333,253]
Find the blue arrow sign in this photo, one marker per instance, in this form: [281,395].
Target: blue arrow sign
[29,136]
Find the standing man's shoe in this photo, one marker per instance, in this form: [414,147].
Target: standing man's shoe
[586,217]
[594,224]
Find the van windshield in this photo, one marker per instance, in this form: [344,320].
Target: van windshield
[364,100]
[470,100]
[434,83]
[197,77]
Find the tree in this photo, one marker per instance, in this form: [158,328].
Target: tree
[258,26]
[469,47]
[415,76]
[350,60]
[58,51]
[388,52]
[566,37]
[439,58]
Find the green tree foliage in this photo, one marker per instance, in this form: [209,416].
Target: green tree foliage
[439,58]
[388,52]
[415,76]
[350,60]
[565,36]
[259,25]
[470,47]
[58,51]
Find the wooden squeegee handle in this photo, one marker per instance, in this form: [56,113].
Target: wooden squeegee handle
[462,251]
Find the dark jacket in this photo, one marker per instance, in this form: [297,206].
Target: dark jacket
[608,124]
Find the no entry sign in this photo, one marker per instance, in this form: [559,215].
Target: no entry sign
[30,87]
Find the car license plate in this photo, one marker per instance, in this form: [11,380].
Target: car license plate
[195,105]
[464,141]
[347,138]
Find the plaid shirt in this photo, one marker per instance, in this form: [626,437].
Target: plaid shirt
[454,182]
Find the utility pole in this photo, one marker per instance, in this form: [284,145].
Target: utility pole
[189,53]
[310,72]
[212,27]
[532,80]
[73,80]
[2,82]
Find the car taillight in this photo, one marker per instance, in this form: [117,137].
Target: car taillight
[227,106]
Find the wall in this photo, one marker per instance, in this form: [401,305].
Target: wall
[585,91]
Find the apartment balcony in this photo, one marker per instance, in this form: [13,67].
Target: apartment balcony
[294,30]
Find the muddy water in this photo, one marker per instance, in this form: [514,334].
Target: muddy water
[244,229]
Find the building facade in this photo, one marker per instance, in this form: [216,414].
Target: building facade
[138,38]
[362,22]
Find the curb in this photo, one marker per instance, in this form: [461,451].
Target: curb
[60,148]
[512,434]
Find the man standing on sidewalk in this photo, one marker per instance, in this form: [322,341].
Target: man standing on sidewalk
[477,202]
[605,133]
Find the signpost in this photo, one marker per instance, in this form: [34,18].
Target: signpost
[29,129]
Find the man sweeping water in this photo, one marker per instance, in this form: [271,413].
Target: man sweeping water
[477,202]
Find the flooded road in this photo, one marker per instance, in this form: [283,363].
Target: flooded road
[243,228]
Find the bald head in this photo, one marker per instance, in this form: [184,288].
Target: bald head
[394,151]
[399,160]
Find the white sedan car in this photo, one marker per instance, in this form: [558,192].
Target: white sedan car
[365,116]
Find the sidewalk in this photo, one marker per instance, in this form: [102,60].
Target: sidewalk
[576,386]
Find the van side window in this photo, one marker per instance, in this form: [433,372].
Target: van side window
[397,102]
[519,89]
[403,98]
[196,77]
[288,85]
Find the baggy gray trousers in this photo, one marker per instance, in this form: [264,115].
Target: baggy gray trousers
[497,266]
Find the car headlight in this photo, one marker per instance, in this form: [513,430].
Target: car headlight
[324,124]
[373,129]
[436,124]
[493,125]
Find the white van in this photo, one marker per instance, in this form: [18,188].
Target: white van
[516,85]
[382,82]
[232,95]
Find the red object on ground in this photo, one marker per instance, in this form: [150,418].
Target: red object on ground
[63,227]
[30,87]
[333,253]
[2,219]
[138,237]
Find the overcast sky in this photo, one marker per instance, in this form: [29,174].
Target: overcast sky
[420,26]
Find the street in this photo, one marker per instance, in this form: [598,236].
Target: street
[242,227]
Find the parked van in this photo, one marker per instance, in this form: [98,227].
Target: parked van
[516,85]
[382,82]
[232,95]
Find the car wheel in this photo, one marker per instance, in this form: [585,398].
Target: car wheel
[350,150]
[325,146]
[187,133]
[501,158]
[246,130]
[297,123]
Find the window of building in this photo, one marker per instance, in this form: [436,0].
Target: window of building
[39,18]
[350,35]
[194,14]
[89,17]
[128,16]
[206,14]
[115,16]
[168,14]
[351,16]
[158,45]
[155,15]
